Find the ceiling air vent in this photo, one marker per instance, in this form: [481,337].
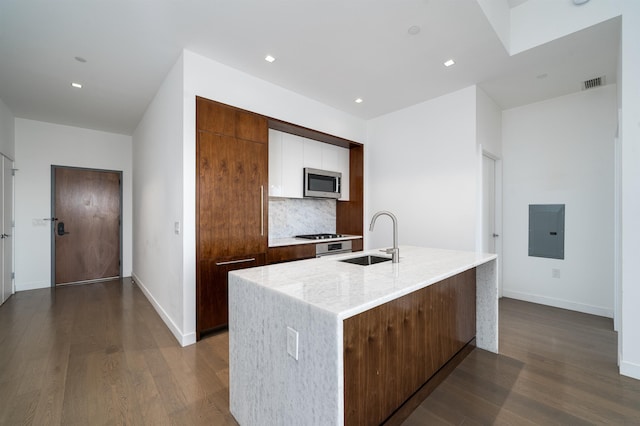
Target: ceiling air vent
[594,82]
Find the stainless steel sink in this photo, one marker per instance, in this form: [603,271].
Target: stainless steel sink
[366,260]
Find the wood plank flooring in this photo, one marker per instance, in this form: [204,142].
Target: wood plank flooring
[555,367]
[99,354]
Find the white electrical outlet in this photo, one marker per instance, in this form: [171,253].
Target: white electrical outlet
[176,228]
[555,273]
[292,343]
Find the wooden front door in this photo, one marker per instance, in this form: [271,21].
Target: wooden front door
[86,226]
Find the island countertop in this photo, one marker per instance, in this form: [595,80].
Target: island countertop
[286,326]
[346,289]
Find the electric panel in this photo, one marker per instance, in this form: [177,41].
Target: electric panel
[546,230]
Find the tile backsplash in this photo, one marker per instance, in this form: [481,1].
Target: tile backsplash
[297,216]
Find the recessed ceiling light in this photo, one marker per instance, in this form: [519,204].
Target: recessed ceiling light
[413,30]
[80,59]
[77,85]
[269,58]
[449,63]
[359,100]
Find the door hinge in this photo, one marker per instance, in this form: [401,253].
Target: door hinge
[13,275]
[13,172]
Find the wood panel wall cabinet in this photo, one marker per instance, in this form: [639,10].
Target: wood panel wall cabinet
[392,350]
[232,179]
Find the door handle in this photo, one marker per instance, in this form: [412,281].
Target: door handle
[61,230]
[231,262]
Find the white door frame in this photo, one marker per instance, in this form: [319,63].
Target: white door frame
[497,209]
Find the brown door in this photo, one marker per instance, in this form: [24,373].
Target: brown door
[87,226]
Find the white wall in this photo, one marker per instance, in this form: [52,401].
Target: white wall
[422,166]
[488,124]
[7,131]
[630,208]
[561,151]
[38,146]
[158,203]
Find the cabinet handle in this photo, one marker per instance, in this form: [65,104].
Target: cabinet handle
[231,262]
[262,210]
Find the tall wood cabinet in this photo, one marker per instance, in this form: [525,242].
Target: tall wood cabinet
[232,202]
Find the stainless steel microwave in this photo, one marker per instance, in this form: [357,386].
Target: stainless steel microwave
[321,183]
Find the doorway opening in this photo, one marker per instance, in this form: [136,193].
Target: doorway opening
[491,241]
[86,225]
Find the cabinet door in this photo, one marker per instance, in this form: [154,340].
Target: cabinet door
[292,164]
[343,167]
[232,204]
[312,153]
[213,310]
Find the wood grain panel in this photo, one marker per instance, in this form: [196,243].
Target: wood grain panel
[356,245]
[222,119]
[252,127]
[289,253]
[232,208]
[213,310]
[305,132]
[215,117]
[390,351]
[232,202]
[349,214]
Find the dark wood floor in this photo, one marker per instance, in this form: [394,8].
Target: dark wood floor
[99,354]
[555,367]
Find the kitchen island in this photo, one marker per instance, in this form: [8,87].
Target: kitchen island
[325,342]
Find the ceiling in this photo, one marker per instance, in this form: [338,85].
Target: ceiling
[333,51]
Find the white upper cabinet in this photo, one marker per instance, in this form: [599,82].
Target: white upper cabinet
[290,154]
[312,152]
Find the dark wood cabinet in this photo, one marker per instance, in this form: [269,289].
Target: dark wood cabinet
[232,205]
[392,350]
[289,253]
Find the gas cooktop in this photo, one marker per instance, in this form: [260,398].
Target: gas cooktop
[319,236]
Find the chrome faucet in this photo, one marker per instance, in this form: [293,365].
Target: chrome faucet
[395,251]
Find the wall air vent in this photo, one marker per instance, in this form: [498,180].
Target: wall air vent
[594,82]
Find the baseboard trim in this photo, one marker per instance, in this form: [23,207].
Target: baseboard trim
[630,369]
[559,303]
[31,285]
[183,339]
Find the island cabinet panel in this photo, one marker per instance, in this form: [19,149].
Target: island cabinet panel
[231,203]
[392,350]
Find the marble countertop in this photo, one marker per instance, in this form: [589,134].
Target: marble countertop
[281,242]
[346,289]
